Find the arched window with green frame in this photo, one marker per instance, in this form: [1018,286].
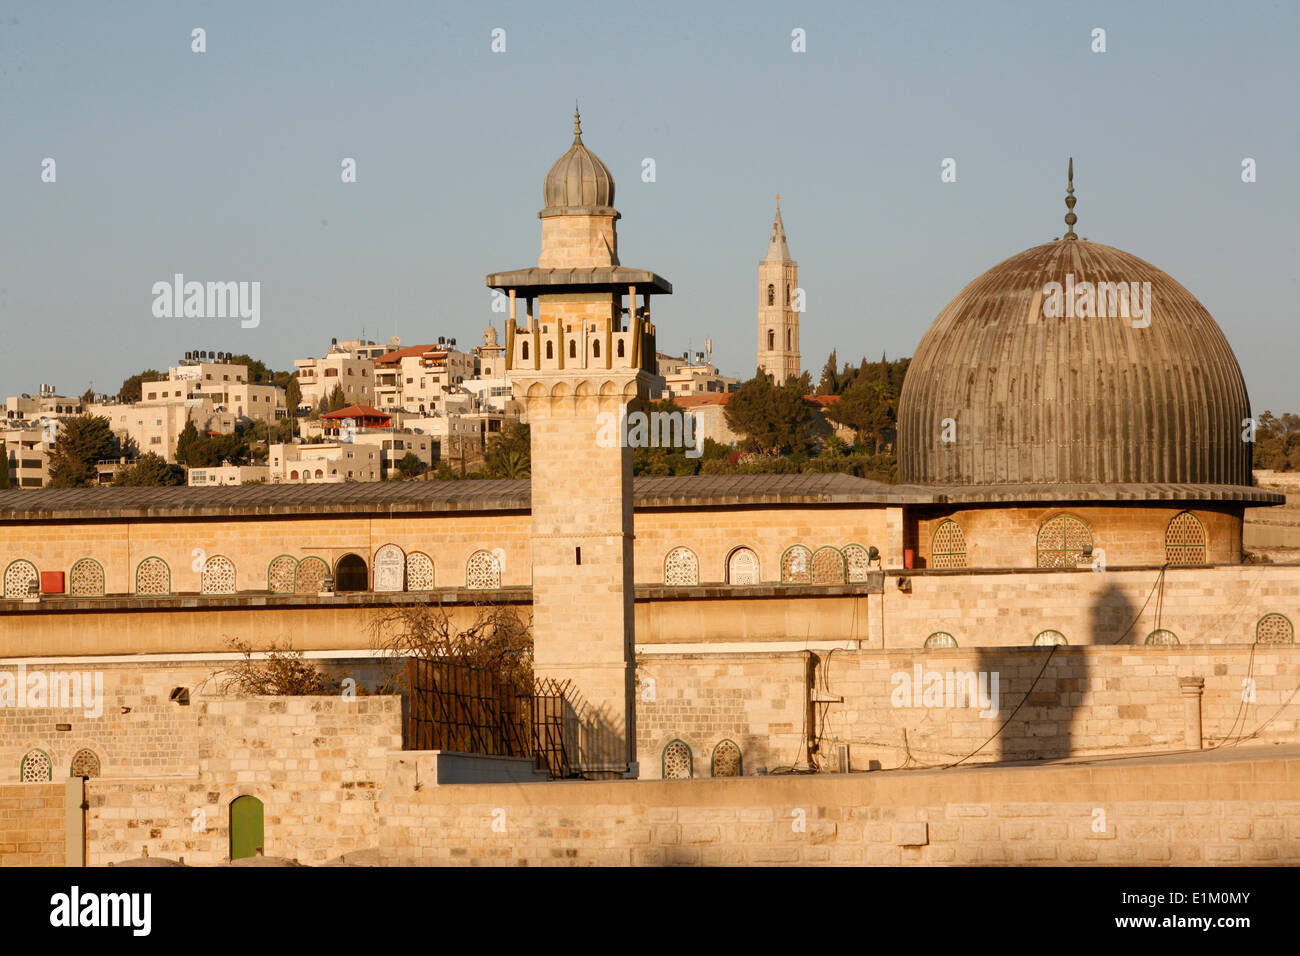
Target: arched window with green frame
[1063,542]
[948,546]
[677,761]
[726,760]
[36,767]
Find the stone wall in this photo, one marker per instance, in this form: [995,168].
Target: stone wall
[1146,813]
[32,824]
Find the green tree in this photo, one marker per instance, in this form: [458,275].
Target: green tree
[292,395]
[829,384]
[88,396]
[130,390]
[410,465]
[774,419]
[509,453]
[4,468]
[337,399]
[151,470]
[188,436]
[81,442]
[1277,442]
[673,460]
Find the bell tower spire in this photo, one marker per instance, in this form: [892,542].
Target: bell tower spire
[779,303]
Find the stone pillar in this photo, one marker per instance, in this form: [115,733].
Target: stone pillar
[1192,688]
[583,613]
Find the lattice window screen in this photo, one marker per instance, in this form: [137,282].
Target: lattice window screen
[85,764]
[726,759]
[153,577]
[19,577]
[677,761]
[681,568]
[940,639]
[1185,540]
[1048,638]
[858,562]
[86,579]
[796,565]
[218,575]
[419,572]
[1274,629]
[310,576]
[36,767]
[1162,636]
[282,574]
[828,566]
[948,548]
[483,570]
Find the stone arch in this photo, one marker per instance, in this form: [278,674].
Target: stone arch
[389,568]
[351,573]
[939,640]
[85,763]
[153,576]
[1162,636]
[419,571]
[310,575]
[1185,540]
[948,545]
[19,574]
[857,562]
[482,571]
[1062,541]
[1274,628]
[676,762]
[1049,637]
[36,767]
[796,565]
[218,575]
[281,574]
[743,567]
[86,578]
[726,760]
[827,566]
[681,568]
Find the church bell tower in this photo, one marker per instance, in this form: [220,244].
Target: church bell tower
[778,320]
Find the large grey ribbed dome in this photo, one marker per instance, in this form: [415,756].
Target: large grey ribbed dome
[578,179]
[1072,400]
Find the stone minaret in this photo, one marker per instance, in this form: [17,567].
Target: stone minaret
[778,322]
[584,357]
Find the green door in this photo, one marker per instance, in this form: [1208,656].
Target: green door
[245,827]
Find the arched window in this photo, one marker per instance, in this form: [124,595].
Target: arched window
[789,337]
[419,572]
[1062,542]
[310,576]
[827,566]
[351,573]
[742,567]
[726,760]
[858,561]
[595,348]
[1274,629]
[573,348]
[153,576]
[1185,540]
[1162,636]
[948,546]
[218,575]
[280,574]
[787,295]
[550,349]
[771,294]
[771,340]
[796,565]
[939,640]
[390,568]
[293,475]
[620,348]
[85,764]
[1048,638]
[36,767]
[681,568]
[677,761]
[319,473]
[483,571]
[86,579]
[525,350]
[20,575]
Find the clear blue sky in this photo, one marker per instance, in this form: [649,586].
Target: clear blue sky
[225,165]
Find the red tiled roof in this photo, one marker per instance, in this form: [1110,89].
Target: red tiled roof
[392,358]
[357,411]
[708,398]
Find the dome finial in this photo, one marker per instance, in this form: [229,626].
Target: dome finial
[1070,217]
[577,123]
